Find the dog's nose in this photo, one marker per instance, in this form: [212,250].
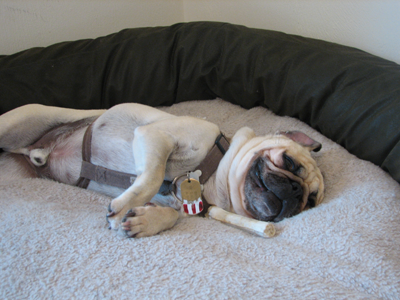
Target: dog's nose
[271,196]
[290,205]
[290,198]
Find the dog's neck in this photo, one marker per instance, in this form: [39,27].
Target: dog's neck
[217,188]
[210,163]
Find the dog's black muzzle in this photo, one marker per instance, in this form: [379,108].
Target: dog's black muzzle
[271,196]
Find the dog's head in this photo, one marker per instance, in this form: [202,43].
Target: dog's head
[272,177]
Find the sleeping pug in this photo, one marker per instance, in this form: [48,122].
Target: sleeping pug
[158,166]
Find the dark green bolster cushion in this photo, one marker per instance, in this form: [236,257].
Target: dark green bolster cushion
[348,95]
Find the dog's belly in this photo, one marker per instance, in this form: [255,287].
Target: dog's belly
[115,154]
[112,145]
[65,159]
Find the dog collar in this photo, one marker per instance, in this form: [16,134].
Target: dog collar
[210,163]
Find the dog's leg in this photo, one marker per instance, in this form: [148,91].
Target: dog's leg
[151,149]
[22,126]
[148,220]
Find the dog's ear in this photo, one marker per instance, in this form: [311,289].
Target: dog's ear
[302,139]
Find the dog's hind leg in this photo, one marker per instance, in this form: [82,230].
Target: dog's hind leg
[24,125]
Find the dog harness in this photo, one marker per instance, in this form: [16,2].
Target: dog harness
[92,172]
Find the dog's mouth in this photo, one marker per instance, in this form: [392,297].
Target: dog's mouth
[270,195]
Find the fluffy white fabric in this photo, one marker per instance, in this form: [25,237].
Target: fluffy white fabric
[55,243]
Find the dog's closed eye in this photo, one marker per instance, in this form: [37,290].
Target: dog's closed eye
[290,164]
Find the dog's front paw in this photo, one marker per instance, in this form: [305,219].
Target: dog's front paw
[114,218]
[148,220]
[117,210]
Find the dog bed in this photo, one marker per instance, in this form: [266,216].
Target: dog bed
[55,241]
[348,95]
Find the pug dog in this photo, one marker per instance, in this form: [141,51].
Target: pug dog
[267,178]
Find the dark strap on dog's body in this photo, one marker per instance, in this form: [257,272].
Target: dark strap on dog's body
[123,180]
[97,173]
[210,163]
[84,178]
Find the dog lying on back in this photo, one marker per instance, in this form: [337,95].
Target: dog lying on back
[158,166]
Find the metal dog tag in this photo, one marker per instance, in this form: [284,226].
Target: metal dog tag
[191,196]
[190,189]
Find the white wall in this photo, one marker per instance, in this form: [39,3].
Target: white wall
[29,23]
[371,25]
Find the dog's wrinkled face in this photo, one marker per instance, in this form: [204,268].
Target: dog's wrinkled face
[274,177]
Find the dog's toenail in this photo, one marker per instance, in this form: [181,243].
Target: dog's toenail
[111,214]
[130,214]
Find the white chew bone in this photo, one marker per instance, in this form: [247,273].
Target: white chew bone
[264,229]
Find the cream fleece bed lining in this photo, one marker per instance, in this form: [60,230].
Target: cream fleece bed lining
[55,242]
